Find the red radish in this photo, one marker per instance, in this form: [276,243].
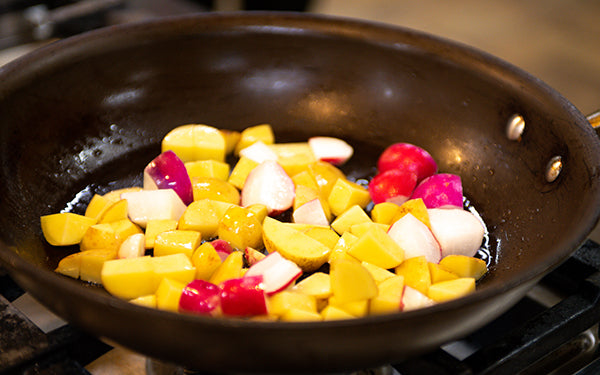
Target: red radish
[145,205]
[441,190]
[310,212]
[415,238]
[222,254]
[268,184]
[243,297]
[134,246]
[395,185]
[200,297]
[258,152]
[222,245]
[253,256]
[458,231]
[331,150]
[167,171]
[413,299]
[407,157]
[278,273]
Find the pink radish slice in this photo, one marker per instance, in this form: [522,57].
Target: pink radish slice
[222,245]
[258,152]
[199,297]
[458,231]
[268,184]
[441,190]
[253,256]
[394,186]
[243,297]
[167,171]
[310,212]
[147,205]
[278,273]
[330,149]
[408,157]
[413,299]
[415,238]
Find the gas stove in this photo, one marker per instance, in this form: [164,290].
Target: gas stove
[553,330]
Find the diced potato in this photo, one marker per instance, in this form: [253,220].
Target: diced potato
[92,262]
[357,309]
[324,235]
[177,241]
[303,195]
[298,315]
[335,313]
[293,157]
[65,228]
[147,301]
[108,235]
[379,274]
[232,137]
[353,215]
[305,179]
[308,253]
[351,282]
[231,268]
[259,210]
[377,248]
[360,229]
[240,172]
[70,265]
[215,189]
[208,168]
[176,267]
[317,285]
[240,228]
[253,134]
[114,212]
[416,273]
[345,194]
[204,216]
[389,299]
[325,176]
[384,212]
[168,294]
[417,208]
[340,250]
[451,289]
[206,260]
[129,278]
[96,207]
[439,274]
[464,266]
[115,195]
[281,302]
[195,142]
[155,227]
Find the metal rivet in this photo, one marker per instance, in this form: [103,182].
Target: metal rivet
[554,168]
[515,127]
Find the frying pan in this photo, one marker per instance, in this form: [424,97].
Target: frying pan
[85,114]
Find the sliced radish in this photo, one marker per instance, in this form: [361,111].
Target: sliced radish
[222,254]
[253,256]
[413,299]
[200,297]
[407,157]
[443,190]
[415,239]
[134,246]
[243,297]
[278,273]
[394,186]
[458,231]
[330,149]
[268,184]
[222,245]
[310,212]
[167,171]
[259,152]
[147,205]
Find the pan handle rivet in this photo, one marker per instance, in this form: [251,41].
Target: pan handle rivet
[515,127]
[554,168]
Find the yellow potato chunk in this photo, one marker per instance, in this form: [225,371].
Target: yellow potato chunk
[303,195]
[208,168]
[129,278]
[108,235]
[240,172]
[232,137]
[293,157]
[70,265]
[340,250]
[389,299]
[203,216]
[195,142]
[177,241]
[325,176]
[357,309]
[96,207]
[147,301]
[416,273]
[282,302]
[317,285]
[439,274]
[351,282]
[417,208]
[115,195]
[240,228]
[377,248]
[231,268]
[324,235]
[335,313]
[379,274]
[308,253]
[114,212]
[168,294]
[362,228]
[259,210]
[206,260]
[305,179]
[253,134]
[464,266]
[451,289]
[384,212]
[65,228]
[353,215]
[345,194]
[176,267]
[156,226]
[92,262]
[215,189]
[298,315]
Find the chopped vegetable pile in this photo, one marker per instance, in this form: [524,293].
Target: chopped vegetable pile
[202,237]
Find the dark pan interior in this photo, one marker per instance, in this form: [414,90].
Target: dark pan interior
[86,114]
